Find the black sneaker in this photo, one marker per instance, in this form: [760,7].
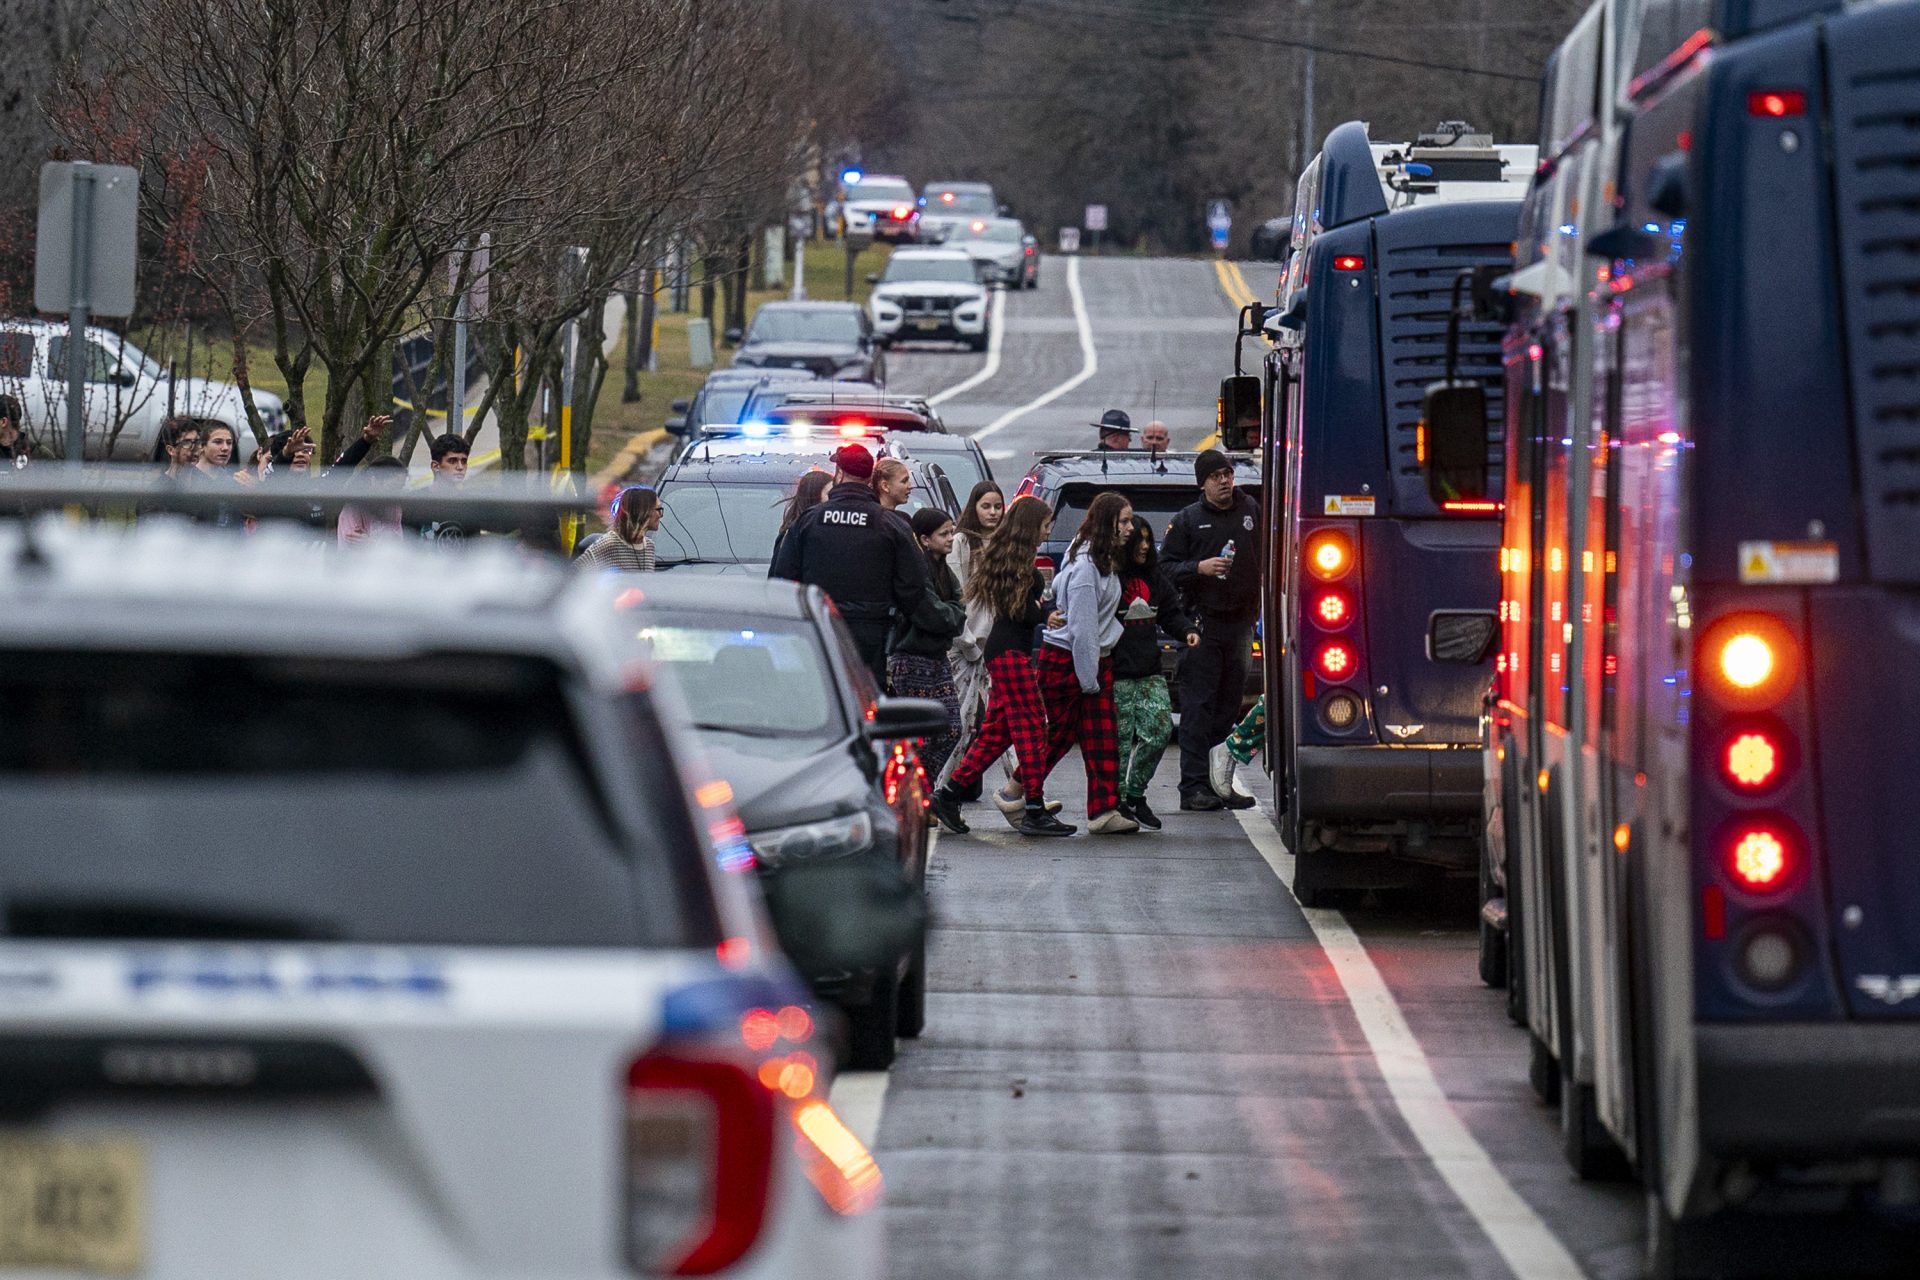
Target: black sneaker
[1239,800]
[1201,802]
[945,808]
[1038,822]
[1140,813]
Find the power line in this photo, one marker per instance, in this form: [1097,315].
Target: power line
[1164,19]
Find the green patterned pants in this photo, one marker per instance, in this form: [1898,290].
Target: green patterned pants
[1144,715]
[1250,735]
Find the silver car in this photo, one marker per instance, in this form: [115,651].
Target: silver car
[364,915]
[1001,249]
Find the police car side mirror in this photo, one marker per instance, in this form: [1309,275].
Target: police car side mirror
[873,277]
[676,426]
[906,718]
[1451,442]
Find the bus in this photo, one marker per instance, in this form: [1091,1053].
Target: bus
[1700,735]
[1382,596]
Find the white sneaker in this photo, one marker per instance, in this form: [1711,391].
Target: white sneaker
[1220,771]
[1112,823]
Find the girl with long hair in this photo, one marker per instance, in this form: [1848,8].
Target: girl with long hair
[1074,664]
[810,492]
[1143,711]
[917,655]
[625,545]
[985,508]
[1009,592]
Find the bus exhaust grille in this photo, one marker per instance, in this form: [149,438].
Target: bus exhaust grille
[1875,74]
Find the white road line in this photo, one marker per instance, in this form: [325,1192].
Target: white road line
[1529,1248]
[996,334]
[1090,359]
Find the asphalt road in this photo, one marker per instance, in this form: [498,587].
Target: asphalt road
[1142,1057]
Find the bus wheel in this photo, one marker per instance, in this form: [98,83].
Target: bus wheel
[1493,941]
[1543,1071]
[1591,1152]
[1725,1243]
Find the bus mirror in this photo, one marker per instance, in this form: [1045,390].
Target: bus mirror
[1453,441]
[1240,412]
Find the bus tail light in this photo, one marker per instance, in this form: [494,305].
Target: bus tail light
[1331,609]
[1749,660]
[1771,954]
[1755,758]
[1776,104]
[1762,855]
[1329,555]
[1336,661]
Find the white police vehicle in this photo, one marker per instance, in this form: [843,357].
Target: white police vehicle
[359,918]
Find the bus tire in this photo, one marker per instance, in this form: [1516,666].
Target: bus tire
[1591,1152]
[1516,953]
[1543,1071]
[1493,941]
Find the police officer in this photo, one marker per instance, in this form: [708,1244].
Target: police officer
[852,548]
[1212,549]
[1116,432]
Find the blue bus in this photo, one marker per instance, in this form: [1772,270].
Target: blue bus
[1701,761]
[1382,598]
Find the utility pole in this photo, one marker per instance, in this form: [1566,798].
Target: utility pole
[78,304]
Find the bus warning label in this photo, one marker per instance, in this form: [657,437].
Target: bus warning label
[1789,562]
[1340,504]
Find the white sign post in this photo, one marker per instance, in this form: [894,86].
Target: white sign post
[1069,239]
[1096,221]
[84,260]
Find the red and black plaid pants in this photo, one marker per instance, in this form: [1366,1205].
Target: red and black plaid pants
[1016,717]
[1085,719]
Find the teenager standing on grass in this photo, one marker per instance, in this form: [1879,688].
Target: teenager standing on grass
[1143,711]
[1011,593]
[1074,663]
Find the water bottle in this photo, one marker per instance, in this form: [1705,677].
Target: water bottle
[1227,553]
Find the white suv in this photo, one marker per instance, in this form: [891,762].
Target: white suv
[930,294]
[126,394]
[363,914]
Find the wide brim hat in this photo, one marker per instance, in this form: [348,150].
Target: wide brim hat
[1114,420]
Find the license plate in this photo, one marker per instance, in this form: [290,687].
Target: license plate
[926,324]
[72,1203]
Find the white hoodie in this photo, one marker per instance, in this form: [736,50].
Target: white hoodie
[1091,601]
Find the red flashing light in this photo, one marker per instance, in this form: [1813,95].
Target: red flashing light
[1759,856]
[852,428]
[1776,104]
[1349,262]
[1473,507]
[1031,251]
[901,213]
[1332,609]
[1336,661]
[946,197]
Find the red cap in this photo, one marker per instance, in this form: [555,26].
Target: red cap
[854,460]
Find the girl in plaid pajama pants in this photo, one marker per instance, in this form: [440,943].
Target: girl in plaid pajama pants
[1005,587]
[1149,605]
[1074,664]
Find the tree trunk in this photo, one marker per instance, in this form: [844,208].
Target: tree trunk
[649,311]
[630,390]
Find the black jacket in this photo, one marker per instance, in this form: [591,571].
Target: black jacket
[930,630]
[1137,656]
[858,552]
[1201,533]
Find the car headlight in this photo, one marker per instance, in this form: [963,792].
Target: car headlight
[831,838]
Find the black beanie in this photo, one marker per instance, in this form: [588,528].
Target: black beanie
[1209,462]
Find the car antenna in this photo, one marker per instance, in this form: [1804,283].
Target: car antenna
[1153,415]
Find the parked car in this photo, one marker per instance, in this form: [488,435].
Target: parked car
[947,206]
[722,398]
[374,922]
[1271,239]
[127,397]
[930,294]
[722,502]
[881,205]
[827,339]
[1158,485]
[819,765]
[1002,251]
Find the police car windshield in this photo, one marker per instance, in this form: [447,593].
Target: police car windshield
[906,269]
[444,801]
[898,192]
[805,324]
[1156,504]
[722,404]
[745,677]
[959,202]
[726,523]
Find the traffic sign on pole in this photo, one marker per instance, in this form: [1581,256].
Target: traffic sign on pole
[1096,219]
[88,240]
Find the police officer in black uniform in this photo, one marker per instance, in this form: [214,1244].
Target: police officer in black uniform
[859,553]
[1212,550]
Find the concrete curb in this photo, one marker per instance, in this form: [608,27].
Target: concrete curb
[636,447]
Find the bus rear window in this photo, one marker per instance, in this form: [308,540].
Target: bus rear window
[438,801]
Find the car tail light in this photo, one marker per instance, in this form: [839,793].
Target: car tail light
[1329,555]
[1031,251]
[901,213]
[1331,609]
[1336,661]
[1776,104]
[699,1146]
[1762,855]
[1749,660]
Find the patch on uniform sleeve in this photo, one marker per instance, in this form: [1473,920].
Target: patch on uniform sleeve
[1789,562]
[1342,504]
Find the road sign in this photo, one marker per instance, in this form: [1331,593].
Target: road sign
[88,240]
[1069,239]
[1096,219]
[1220,238]
[1219,219]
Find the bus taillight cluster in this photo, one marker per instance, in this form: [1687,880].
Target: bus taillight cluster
[1329,607]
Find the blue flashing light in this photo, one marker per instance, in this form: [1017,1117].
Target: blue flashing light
[746,635]
[756,430]
[1568,229]
[1651,228]
[851,176]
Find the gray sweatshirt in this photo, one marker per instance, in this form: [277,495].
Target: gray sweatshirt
[1091,601]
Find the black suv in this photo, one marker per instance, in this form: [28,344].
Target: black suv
[827,339]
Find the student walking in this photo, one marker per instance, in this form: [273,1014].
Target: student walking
[626,544]
[1143,711]
[1074,663]
[1010,592]
[978,519]
[917,662]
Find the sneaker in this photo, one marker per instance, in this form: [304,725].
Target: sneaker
[1201,802]
[1140,813]
[1038,822]
[1111,823]
[944,805]
[1220,770]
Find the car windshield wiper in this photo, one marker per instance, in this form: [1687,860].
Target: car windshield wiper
[28,917]
[745,732]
